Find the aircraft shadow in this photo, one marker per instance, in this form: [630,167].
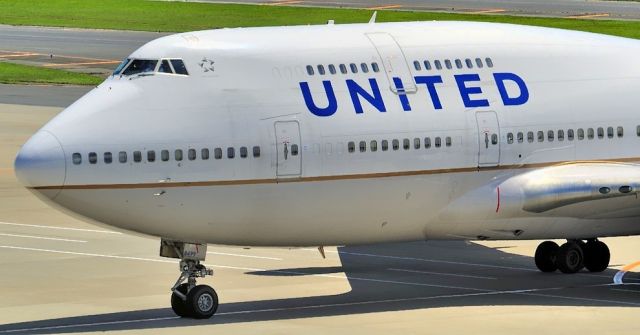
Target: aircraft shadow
[384,278]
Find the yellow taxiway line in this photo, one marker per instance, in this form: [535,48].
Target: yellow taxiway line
[588,16]
[384,7]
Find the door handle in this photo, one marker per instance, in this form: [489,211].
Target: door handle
[486,140]
[286,151]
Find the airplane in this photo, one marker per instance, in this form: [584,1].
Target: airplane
[352,134]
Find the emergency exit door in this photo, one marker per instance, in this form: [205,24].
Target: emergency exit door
[393,62]
[289,155]
[488,139]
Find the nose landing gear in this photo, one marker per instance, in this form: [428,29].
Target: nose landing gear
[187,298]
[572,256]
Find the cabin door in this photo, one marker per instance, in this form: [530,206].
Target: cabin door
[394,63]
[289,155]
[488,139]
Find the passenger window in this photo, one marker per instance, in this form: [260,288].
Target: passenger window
[164,155]
[395,144]
[294,150]
[416,143]
[204,154]
[520,137]
[530,137]
[638,130]
[510,138]
[570,134]
[310,70]
[256,151]
[479,63]
[580,134]
[620,131]
[77,158]
[438,65]
[343,69]
[600,132]
[351,146]
[178,66]
[177,155]
[427,65]
[332,69]
[93,158]
[321,70]
[494,139]
[590,133]
[364,68]
[108,158]
[191,154]
[427,142]
[122,156]
[447,63]
[217,153]
[438,142]
[363,146]
[385,145]
[550,135]
[354,68]
[560,135]
[137,156]
[458,64]
[489,62]
[447,141]
[373,145]
[406,144]
[231,152]
[374,67]
[540,136]
[165,67]
[416,65]
[469,63]
[244,152]
[151,156]
[610,132]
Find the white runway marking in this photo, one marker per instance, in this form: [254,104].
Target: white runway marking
[442,274]
[529,292]
[61,228]
[247,256]
[43,238]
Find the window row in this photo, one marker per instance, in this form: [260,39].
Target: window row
[343,68]
[165,155]
[551,135]
[459,64]
[395,144]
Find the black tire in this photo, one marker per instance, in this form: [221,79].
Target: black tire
[178,305]
[596,256]
[546,256]
[202,302]
[570,258]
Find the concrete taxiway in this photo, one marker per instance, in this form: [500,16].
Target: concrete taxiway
[558,8]
[61,275]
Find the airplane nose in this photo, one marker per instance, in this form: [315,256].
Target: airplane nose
[40,164]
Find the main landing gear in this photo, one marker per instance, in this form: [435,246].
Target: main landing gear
[189,299]
[572,256]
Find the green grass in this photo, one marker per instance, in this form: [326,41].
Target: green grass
[22,74]
[185,16]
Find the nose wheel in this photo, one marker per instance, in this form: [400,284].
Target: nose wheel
[188,299]
[572,256]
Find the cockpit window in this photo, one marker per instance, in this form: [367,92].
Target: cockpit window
[178,66]
[121,67]
[140,66]
[165,67]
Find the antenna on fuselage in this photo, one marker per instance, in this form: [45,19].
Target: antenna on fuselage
[372,20]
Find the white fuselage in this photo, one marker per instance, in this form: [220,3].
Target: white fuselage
[251,88]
